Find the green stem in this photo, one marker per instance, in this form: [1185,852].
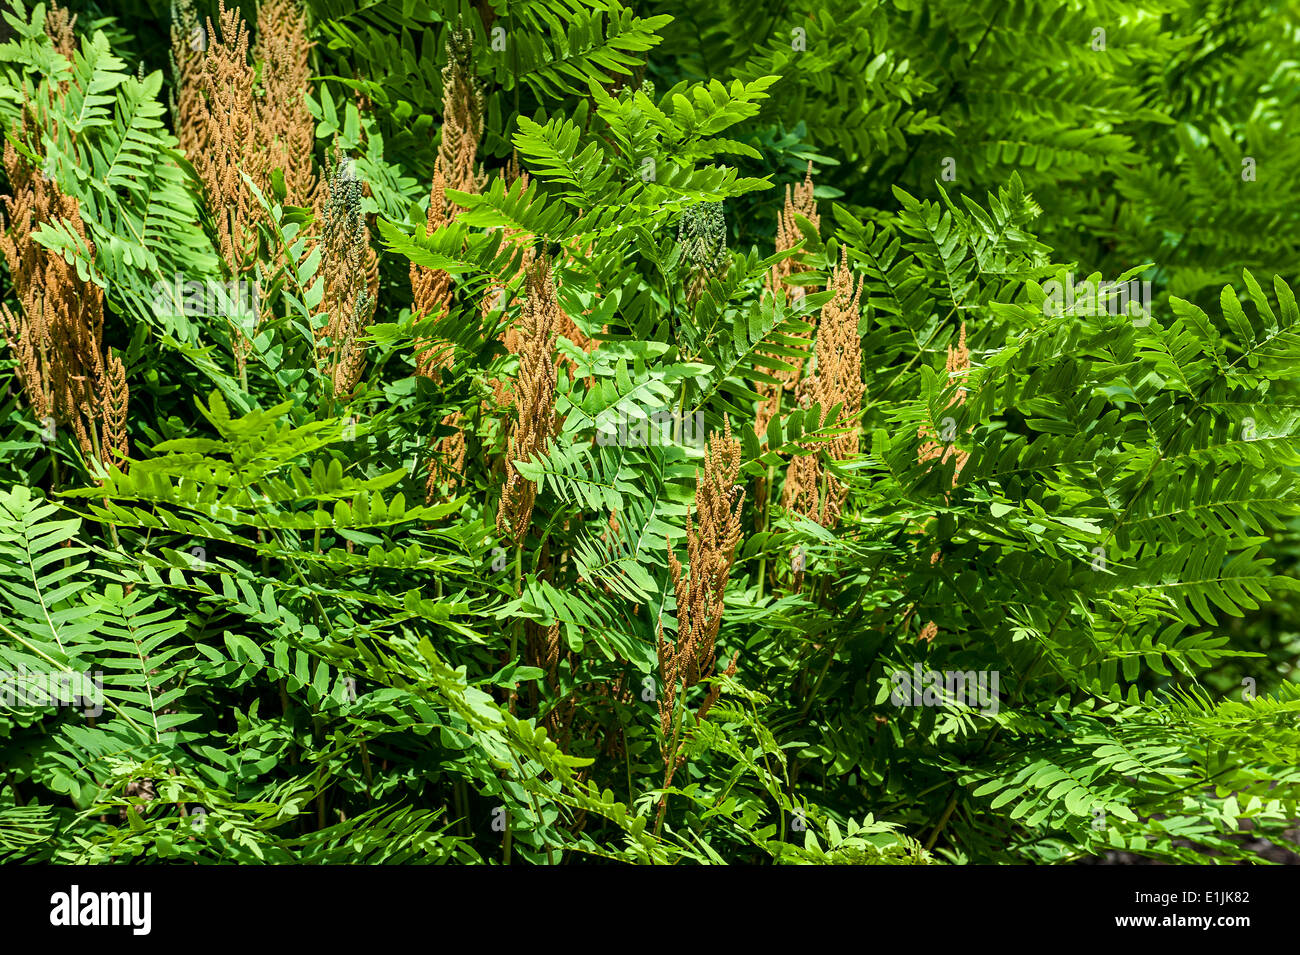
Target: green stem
[506,843]
[518,624]
[670,770]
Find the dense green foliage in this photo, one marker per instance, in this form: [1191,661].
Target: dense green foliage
[305,658]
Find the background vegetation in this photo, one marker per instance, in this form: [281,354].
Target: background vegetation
[543,431]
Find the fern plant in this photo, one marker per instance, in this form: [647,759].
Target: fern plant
[564,496]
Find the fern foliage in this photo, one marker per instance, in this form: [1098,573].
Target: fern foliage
[1043,610]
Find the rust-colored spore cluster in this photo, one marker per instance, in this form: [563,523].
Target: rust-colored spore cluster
[286,127]
[534,398]
[454,168]
[810,489]
[798,201]
[56,336]
[712,534]
[931,449]
[227,129]
[232,125]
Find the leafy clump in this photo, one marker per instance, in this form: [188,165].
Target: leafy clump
[408,460]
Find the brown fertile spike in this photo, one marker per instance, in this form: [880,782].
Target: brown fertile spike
[839,376]
[668,676]
[454,168]
[712,534]
[715,691]
[188,41]
[351,362]
[518,237]
[801,492]
[227,121]
[25,341]
[462,115]
[718,502]
[347,301]
[433,296]
[27,333]
[432,287]
[59,27]
[285,127]
[228,117]
[959,363]
[799,201]
[370,269]
[534,399]
[838,353]
[114,446]
[958,366]
[56,337]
